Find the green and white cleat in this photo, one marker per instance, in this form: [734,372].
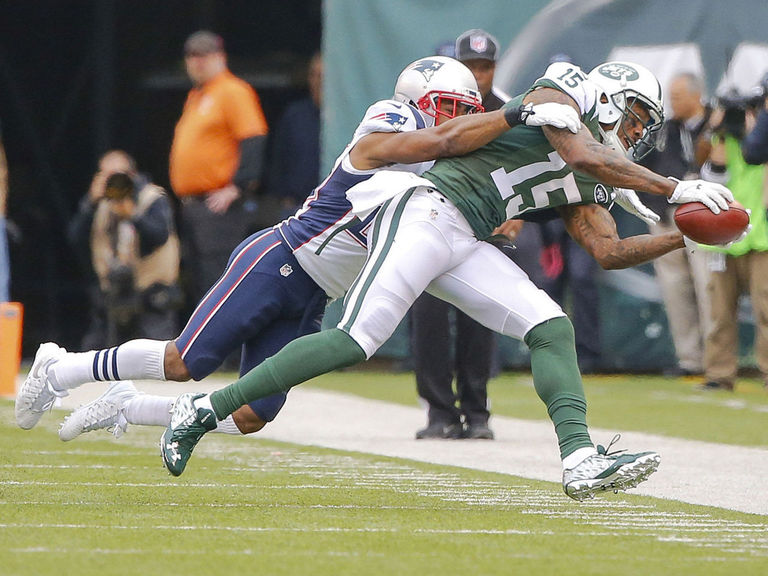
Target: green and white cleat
[36,396]
[106,412]
[188,425]
[602,472]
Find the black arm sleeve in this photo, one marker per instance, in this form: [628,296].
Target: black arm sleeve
[154,225]
[251,162]
[755,146]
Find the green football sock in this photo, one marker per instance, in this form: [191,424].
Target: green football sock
[557,381]
[297,362]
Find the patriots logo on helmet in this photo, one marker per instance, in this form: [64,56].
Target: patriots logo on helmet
[396,120]
[617,71]
[427,67]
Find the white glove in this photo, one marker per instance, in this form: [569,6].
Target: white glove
[551,114]
[713,196]
[627,199]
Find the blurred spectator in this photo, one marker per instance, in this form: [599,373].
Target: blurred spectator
[478,51]
[447,49]
[216,158]
[755,144]
[682,274]
[467,351]
[128,224]
[5,262]
[743,266]
[296,154]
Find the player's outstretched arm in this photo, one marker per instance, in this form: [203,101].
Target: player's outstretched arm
[583,153]
[455,138]
[593,227]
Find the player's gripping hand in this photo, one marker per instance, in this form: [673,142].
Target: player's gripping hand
[627,199]
[713,196]
[546,114]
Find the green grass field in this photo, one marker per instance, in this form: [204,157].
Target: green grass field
[97,506]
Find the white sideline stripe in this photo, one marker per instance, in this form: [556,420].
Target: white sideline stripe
[174,486]
[328,529]
[197,505]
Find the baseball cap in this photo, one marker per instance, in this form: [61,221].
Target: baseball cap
[203,42]
[476,43]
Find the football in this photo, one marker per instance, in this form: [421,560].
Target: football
[702,225]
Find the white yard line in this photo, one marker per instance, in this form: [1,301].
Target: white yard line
[704,473]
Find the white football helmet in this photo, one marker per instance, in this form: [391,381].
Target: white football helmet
[623,84]
[429,82]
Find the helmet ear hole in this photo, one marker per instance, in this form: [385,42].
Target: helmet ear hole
[603,98]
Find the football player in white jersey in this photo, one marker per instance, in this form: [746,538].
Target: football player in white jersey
[277,282]
[428,236]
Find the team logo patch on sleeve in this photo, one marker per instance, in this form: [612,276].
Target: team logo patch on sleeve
[396,120]
[601,194]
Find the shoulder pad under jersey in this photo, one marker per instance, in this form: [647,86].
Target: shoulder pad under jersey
[389,116]
[572,80]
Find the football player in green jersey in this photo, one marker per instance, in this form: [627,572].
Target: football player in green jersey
[427,235]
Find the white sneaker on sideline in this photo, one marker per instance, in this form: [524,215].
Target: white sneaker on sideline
[106,412]
[36,396]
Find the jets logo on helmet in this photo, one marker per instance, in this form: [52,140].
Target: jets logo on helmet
[617,71]
[622,87]
[438,86]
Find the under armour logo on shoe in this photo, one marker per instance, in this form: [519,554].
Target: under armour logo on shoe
[286,270]
[172,447]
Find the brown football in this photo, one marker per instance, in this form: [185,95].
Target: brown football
[702,225]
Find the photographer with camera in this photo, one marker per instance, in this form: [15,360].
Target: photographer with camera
[742,266]
[754,147]
[134,251]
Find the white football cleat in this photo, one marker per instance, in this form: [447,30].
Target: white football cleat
[604,471]
[36,396]
[106,412]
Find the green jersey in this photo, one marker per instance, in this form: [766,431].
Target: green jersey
[520,172]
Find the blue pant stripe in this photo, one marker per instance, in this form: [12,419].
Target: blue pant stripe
[115,375]
[104,364]
[96,366]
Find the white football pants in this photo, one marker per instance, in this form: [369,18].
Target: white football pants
[420,241]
